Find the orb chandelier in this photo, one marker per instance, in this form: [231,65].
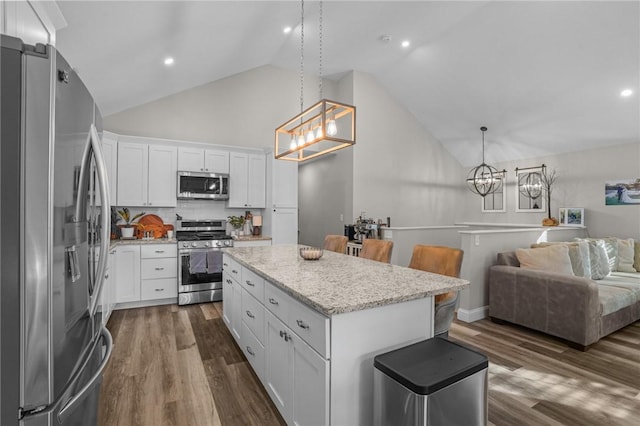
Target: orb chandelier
[485,179]
[530,184]
[322,128]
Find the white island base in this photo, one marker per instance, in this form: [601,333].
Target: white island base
[356,338]
[311,329]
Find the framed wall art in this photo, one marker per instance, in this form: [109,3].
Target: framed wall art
[529,190]
[571,216]
[622,192]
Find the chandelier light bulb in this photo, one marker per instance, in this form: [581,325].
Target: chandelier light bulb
[332,128]
[310,136]
[319,133]
[301,140]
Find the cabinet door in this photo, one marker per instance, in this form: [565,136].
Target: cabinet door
[128,273]
[236,314]
[110,153]
[277,371]
[133,163]
[238,173]
[163,167]
[284,184]
[227,297]
[310,393]
[284,226]
[256,181]
[216,161]
[108,288]
[191,159]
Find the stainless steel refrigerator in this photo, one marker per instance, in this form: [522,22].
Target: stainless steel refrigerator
[54,236]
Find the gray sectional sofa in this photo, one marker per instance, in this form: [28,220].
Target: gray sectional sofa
[576,308]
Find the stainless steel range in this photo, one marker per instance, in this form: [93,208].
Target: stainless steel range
[200,244]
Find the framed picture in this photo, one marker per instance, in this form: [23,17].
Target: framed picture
[529,190]
[622,192]
[571,216]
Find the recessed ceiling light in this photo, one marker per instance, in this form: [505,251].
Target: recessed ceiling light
[626,93]
[406,43]
[168,61]
[286,30]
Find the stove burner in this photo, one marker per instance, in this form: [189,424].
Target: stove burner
[200,236]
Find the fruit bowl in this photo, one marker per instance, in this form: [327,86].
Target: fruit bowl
[310,253]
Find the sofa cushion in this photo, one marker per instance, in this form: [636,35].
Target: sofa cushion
[613,297]
[554,258]
[598,259]
[625,255]
[627,280]
[578,254]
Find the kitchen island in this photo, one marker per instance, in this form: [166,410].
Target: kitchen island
[310,329]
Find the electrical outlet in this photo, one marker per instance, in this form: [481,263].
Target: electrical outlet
[477,240]
[341,217]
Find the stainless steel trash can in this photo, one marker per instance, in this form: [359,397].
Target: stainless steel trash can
[433,382]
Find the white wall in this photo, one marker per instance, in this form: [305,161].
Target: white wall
[400,170]
[242,110]
[580,184]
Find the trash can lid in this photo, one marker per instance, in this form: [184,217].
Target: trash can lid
[430,365]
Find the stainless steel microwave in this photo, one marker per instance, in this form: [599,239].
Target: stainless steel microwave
[203,186]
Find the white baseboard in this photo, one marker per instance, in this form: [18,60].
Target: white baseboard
[473,314]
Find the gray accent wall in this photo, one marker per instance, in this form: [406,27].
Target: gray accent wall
[581,180]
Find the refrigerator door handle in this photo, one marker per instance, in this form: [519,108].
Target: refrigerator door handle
[105,217]
[68,407]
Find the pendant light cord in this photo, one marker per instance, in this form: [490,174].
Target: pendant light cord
[301,57]
[320,50]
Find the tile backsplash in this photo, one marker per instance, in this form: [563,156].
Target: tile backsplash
[192,209]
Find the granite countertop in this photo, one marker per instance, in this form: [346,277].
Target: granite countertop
[338,283]
[115,243]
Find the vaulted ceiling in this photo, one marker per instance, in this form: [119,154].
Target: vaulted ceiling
[544,76]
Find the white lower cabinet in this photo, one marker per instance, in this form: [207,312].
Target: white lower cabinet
[286,343]
[146,272]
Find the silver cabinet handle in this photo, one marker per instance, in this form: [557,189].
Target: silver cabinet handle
[234,271]
[250,351]
[250,284]
[159,289]
[225,264]
[285,336]
[106,277]
[273,301]
[159,269]
[302,324]
[229,282]
[159,251]
[250,315]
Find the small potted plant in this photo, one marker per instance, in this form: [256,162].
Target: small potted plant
[128,227]
[237,222]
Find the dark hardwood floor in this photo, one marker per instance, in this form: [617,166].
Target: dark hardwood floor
[176,365]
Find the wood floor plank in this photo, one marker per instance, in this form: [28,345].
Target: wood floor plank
[179,365]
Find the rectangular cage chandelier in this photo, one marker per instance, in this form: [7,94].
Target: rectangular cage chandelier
[324,127]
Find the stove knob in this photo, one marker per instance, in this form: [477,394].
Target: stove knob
[194,245]
[218,243]
[207,244]
[185,244]
[227,243]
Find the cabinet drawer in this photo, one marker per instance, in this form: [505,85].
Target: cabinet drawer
[311,326]
[232,267]
[162,288]
[159,268]
[276,301]
[253,314]
[152,251]
[253,283]
[253,350]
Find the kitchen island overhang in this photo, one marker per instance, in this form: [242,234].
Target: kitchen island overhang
[369,308]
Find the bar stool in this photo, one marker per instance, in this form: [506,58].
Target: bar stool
[337,243]
[379,250]
[444,261]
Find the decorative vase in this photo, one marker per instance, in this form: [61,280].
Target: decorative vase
[550,221]
[127,231]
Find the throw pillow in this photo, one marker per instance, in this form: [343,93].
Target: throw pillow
[625,255]
[597,258]
[611,246]
[578,254]
[554,258]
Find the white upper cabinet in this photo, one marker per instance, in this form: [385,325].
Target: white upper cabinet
[284,183]
[133,174]
[203,160]
[110,154]
[147,175]
[247,187]
[162,176]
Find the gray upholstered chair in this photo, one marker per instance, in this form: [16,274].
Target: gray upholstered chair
[444,261]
